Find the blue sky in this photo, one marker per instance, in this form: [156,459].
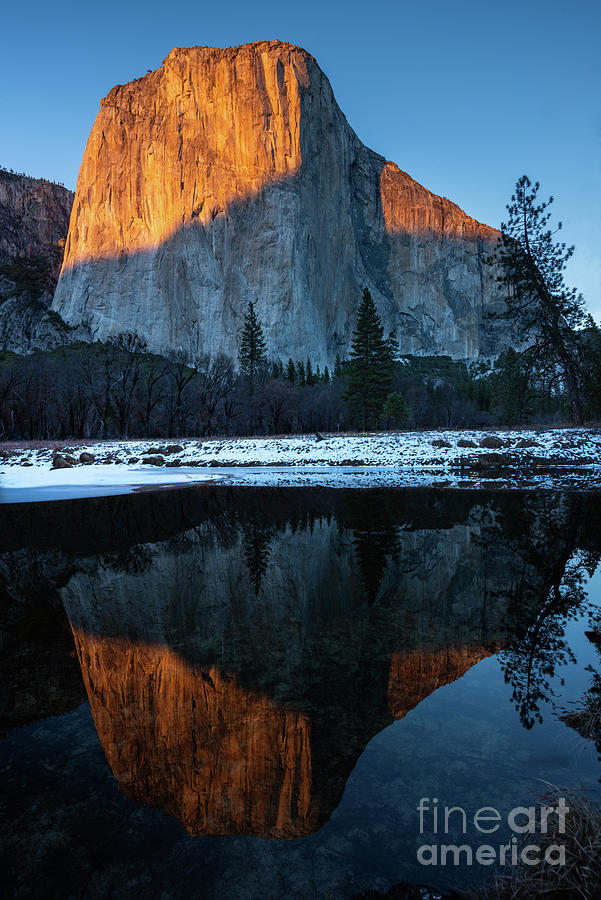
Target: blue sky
[465,96]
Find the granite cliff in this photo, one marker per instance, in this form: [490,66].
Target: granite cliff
[232,175]
[34,220]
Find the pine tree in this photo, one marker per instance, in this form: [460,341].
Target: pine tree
[546,313]
[590,355]
[300,373]
[338,366]
[309,377]
[326,375]
[290,372]
[369,378]
[375,540]
[395,409]
[513,391]
[253,349]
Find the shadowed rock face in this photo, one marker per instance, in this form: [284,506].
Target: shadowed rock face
[34,220]
[232,175]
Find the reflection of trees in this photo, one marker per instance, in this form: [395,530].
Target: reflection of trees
[530,662]
[374,541]
[255,545]
[373,547]
[554,572]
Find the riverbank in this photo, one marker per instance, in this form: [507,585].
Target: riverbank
[511,459]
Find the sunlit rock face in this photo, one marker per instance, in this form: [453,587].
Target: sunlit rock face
[195,743]
[415,675]
[232,175]
[34,219]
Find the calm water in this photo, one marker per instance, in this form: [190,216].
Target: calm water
[239,693]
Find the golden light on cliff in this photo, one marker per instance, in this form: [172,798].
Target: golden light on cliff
[193,742]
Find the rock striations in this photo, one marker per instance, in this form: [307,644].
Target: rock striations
[34,219]
[232,175]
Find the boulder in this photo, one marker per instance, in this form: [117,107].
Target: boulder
[60,462]
[492,442]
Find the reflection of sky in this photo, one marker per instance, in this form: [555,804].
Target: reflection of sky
[464,744]
[465,97]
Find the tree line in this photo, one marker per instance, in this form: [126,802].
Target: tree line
[118,388]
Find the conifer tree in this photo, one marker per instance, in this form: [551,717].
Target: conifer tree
[513,390]
[395,409]
[253,349]
[326,375]
[546,313]
[309,377]
[338,366]
[590,355]
[300,373]
[290,372]
[369,378]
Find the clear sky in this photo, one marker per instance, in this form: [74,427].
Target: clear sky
[465,96]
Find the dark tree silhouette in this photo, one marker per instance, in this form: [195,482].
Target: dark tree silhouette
[369,376]
[253,349]
[545,311]
[550,594]
[256,539]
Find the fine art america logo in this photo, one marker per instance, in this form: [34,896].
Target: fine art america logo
[487,820]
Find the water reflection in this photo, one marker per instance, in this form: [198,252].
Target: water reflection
[239,649]
[556,569]
[584,716]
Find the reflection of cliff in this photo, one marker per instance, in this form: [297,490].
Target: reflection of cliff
[416,675]
[242,705]
[225,759]
[237,689]
[39,673]
[193,742]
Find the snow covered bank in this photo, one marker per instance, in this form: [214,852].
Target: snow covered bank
[476,459]
[23,484]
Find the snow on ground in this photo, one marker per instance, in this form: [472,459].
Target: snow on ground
[20,484]
[495,459]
